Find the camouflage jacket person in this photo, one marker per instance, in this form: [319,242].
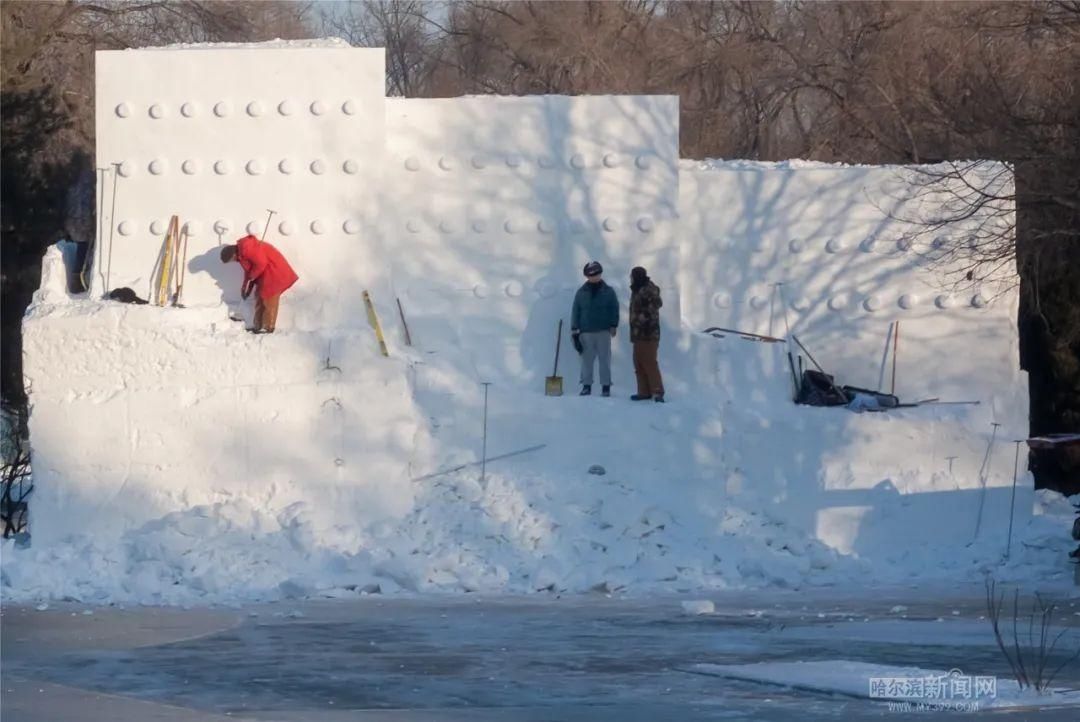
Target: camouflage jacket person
[645,303]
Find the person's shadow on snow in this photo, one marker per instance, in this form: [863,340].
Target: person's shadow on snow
[227,276]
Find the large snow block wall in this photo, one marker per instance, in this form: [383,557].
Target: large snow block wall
[219,136]
[495,204]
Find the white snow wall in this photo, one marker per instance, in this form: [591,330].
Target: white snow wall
[478,213]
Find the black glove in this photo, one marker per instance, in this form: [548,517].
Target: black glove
[576,338]
[613,330]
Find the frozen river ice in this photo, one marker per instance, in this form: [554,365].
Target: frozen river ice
[486,658]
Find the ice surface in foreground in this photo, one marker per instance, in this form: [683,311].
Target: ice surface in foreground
[863,679]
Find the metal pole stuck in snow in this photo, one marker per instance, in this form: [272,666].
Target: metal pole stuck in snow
[1012,501]
[483,451]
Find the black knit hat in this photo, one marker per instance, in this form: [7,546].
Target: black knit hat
[592,268]
[638,274]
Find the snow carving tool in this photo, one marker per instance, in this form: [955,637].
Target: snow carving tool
[553,384]
[404,323]
[181,264]
[168,253]
[267,226]
[373,319]
[718,333]
[984,477]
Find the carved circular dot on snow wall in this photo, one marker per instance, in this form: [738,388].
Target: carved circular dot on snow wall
[125,169]
[222,226]
[544,226]
[157,167]
[722,300]
[158,227]
[838,302]
[478,162]
[834,246]
[255,109]
[446,163]
[157,111]
[513,160]
[252,227]
[643,162]
[286,228]
[123,110]
[939,243]
[480,290]
[190,167]
[546,289]
[351,167]
[285,166]
[510,226]
[577,227]
[317,227]
[801,304]
[908,301]
[759,302]
[286,107]
[645,225]
[317,108]
[577,160]
[479,226]
[611,160]
[189,110]
[546,162]
[126,228]
[514,289]
[349,107]
[867,246]
[317,167]
[610,225]
[351,226]
[254,167]
[871,303]
[222,167]
[222,109]
[193,227]
[796,246]
[904,244]
[412,164]
[446,226]
[979,300]
[943,301]
[412,226]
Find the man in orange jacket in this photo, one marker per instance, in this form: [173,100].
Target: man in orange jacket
[265,270]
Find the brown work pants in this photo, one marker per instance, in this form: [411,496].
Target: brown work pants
[647,367]
[266,310]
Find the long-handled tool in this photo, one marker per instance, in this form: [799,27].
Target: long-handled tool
[373,319]
[181,258]
[895,343]
[984,475]
[717,331]
[404,323]
[553,384]
[267,226]
[1012,501]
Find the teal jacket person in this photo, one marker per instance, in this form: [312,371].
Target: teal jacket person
[595,308]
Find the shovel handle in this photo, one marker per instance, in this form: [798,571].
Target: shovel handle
[558,344]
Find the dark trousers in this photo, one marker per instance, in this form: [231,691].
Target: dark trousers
[647,367]
[266,310]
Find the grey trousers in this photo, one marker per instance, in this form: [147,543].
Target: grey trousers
[596,345]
